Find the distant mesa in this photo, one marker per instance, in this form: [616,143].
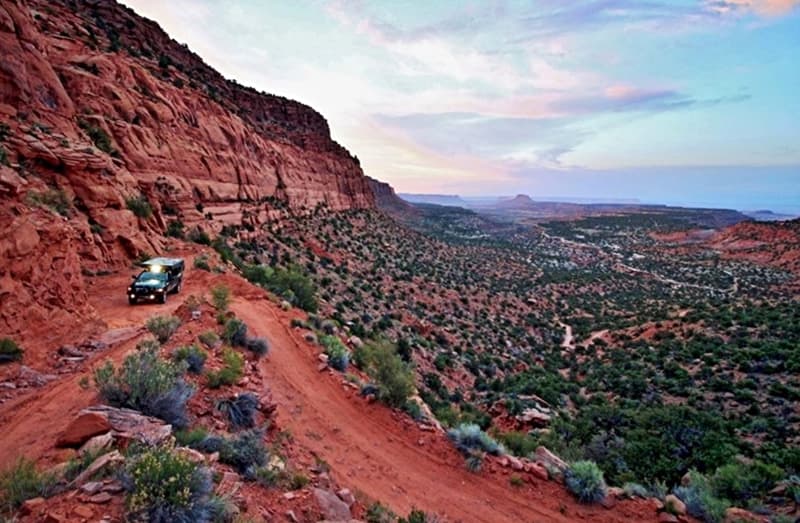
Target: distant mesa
[452,200]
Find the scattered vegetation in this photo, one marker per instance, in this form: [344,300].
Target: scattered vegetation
[164,487]
[240,410]
[231,372]
[9,350]
[21,482]
[99,137]
[54,199]
[163,327]
[338,353]
[148,384]
[193,356]
[221,297]
[139,206]
[584,480]
[245,452]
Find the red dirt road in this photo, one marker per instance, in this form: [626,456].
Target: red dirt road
[378,453]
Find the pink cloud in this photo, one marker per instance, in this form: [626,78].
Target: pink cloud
[761,7]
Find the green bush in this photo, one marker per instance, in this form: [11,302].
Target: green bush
[230,373]
[518,443]
[139,206]
[9,350]
[98,136]
[54,199]
[584,480]
[740,482]
[175,229]
[148,384]
[394,377]
[190,437]
[201,262]
[193,356]
[292,284]
[468,437]
[235,332]
[338,354]
[240,410]
[245,452]
[163,327]
[700,499]
[198,235]
[21,482]
[208,338]
[163,486]
[221,297]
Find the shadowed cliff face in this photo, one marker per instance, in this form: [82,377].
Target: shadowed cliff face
[99,107]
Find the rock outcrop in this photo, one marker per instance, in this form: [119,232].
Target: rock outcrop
[388,201]
[110,131]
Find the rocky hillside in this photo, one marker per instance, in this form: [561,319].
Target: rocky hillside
[111,133]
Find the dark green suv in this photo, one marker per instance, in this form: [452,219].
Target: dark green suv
[162,276]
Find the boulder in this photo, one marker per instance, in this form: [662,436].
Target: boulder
[124,425]
[83,428]
[31,506]
[331,506]
[97,444]
[550,460]
[674,505]
[102,463]
[740,515]
[346,496]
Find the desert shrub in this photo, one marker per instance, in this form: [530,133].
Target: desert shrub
[139,206]
[245,452]
[740,482]
[148,384]
[54,199]
[208,338]
[193,356]
[378,513]
[474,461]
[468,437]
[175,229]
[163,327]
[635,490]
[235,332]
[81,462]
[584,480]
[9,350]
[292,284]
[258,346]
[198,235]
[518,443]
[700,500]
[230,373]
[240,410]
[98,136]
[201,262]
[338,354]
[417,516]
[394,377]
[190,437]
[163,486]
[221,297]
[21,482]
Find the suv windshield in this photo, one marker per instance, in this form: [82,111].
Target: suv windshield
[151,277]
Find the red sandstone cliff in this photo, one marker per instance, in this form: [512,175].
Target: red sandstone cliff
[98,106]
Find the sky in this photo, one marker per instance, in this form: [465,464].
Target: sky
[680,102]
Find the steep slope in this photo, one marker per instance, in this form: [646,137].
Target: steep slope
[378,453]
[111,132]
